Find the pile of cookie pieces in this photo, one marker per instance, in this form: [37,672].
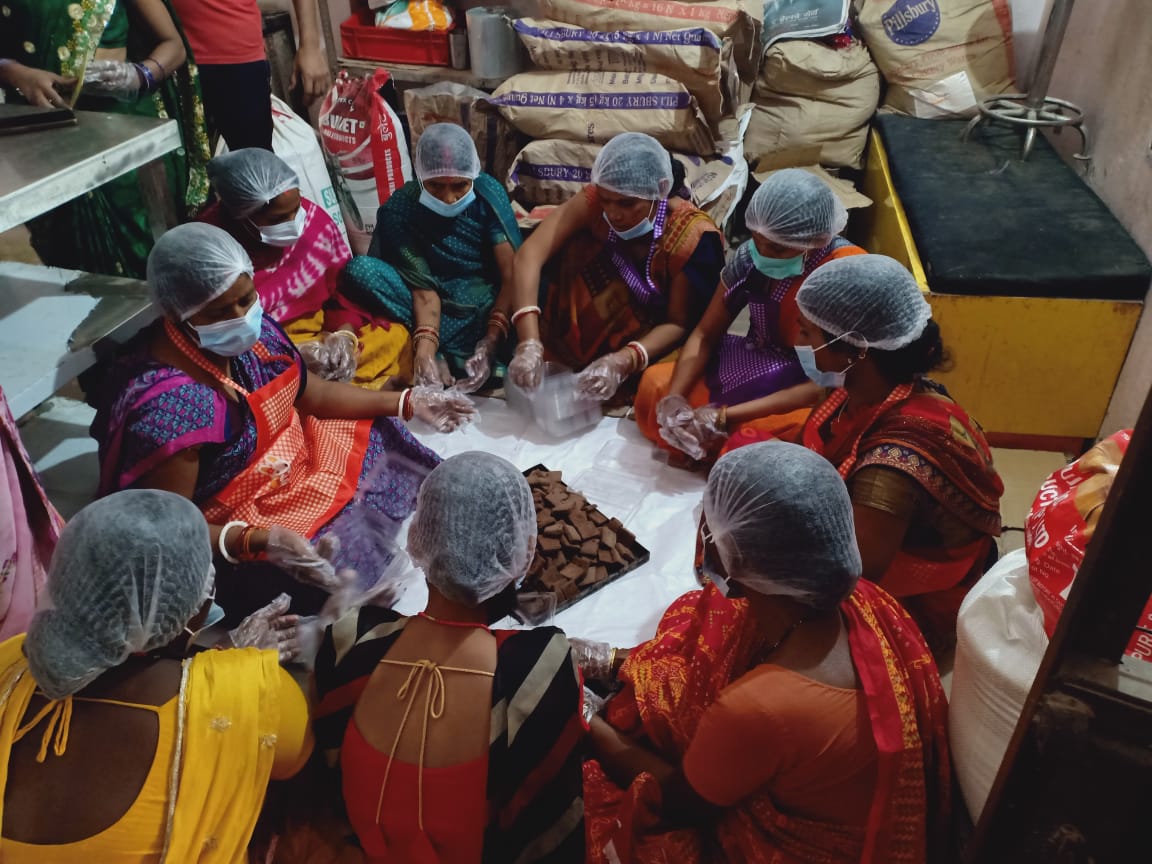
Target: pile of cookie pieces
[577,547]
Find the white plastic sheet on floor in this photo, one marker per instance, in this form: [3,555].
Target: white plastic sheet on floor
[626,611]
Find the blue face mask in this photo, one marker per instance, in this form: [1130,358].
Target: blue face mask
[776,268]
[644,226]
[233,337]
[449,210]
[806,354]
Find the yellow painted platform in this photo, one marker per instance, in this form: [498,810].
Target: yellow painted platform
[1021,365]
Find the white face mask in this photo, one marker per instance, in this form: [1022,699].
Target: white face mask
[283,234]
[640,229]
[233,337]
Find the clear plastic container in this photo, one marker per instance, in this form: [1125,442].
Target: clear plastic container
[614,493]
[555,406]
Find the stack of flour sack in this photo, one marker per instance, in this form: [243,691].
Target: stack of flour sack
[696,76]
[679,72]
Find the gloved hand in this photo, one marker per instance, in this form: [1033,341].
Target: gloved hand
[710,430]
[311,565]
[593,704]
[479,366]
[116,78]
[527,367]
[343,355]
[427,373]
[593,658]
[442,409]
[333,356]
[270,628]
[602,378]
[676,419]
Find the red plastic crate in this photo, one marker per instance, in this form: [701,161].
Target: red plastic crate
[363,40]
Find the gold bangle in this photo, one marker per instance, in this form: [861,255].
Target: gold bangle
[612,663]
[723,418]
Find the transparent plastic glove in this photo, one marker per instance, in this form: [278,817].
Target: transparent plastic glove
[268,628]
[709,430]
[479,366]
[306,563]
[427,373]
[678,425]
[602,378]
[593,658]
[343,355]
[593,705]
[115,78]
[444,410]
[673,410]
[527,367]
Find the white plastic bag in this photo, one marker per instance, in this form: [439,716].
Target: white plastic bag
[1000,641]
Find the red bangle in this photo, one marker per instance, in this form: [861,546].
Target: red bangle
[641,355]
[406,411]
[246,552]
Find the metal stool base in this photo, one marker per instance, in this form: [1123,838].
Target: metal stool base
[1020,109]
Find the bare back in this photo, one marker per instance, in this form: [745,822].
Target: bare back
[461,733]
[110,751]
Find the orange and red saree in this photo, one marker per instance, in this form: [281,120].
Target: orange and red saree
[598,299]
[923,434]
[671,680]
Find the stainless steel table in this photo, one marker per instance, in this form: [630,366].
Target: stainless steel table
[42,170]
[52,320]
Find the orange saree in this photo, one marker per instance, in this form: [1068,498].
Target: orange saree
[671,680]
[598,300]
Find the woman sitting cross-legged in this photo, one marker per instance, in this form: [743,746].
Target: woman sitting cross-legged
[299,254]
[789,712]
[440,262]
[116,744]
[214,403]
[458,743]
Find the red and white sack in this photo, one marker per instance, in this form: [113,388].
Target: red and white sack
[738,20]
[362,135]
[594,107]
[1062,522]
[939,57]
[696,57]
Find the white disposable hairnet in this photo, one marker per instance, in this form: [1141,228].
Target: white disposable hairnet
[247,180]
[871,301]
[192,265]
[796,209]
[446,150]
[474,531]
[129,573]
[634,164]
[782,522]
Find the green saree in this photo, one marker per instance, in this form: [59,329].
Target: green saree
[107,231]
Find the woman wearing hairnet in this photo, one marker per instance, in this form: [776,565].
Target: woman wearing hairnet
[440,262]
[116,744]
[299,254]
[461,743]
[213,402]
[804,721]
[920,472]
[629,270]
[723,382]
